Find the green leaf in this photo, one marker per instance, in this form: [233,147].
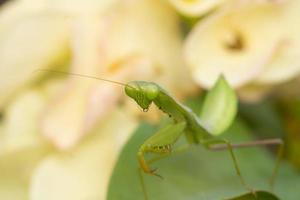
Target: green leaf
[199,174]
[263,117]
[220,107]
[259,195]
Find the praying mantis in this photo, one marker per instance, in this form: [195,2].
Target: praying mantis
[218,112]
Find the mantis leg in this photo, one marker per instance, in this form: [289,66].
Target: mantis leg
[276,141]
[143,184]
[176,151]
[173,152]
[209,144]
[160,143]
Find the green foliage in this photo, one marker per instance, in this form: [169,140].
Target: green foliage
[263,118]
[200,174]
[260,195]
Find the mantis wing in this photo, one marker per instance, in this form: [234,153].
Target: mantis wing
[219,108]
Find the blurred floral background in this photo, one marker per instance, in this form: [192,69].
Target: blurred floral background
[60,136]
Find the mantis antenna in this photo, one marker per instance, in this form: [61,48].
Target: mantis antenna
[79,75]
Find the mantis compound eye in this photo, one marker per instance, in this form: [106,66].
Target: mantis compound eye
[131,89]
[138,92]
[152,92]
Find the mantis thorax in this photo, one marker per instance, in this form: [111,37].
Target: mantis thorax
[142,92]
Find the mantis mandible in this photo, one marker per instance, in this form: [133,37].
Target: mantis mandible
[218,112]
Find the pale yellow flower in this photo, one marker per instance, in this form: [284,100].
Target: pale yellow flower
[248,43]
[123,45]
[84,172]
[22,145]
[151,29]
[110,39]
[284,64]
[34,41]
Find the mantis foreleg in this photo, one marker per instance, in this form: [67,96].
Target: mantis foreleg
[143,183]
[174,152]
[160,143]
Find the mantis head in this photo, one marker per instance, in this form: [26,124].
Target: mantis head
[142,92]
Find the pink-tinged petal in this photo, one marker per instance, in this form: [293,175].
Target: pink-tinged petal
[62,121]
[81,105]
[83,102]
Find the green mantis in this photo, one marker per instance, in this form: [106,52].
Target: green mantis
[218,112]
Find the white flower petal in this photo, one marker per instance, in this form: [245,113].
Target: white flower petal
[285,63]
[196,7]
[32,42]
[237,42]
[64,122]
[84,173]
[20,124]
[134,54]
[15,171]
[75,7]
[13,11]
[149,28]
